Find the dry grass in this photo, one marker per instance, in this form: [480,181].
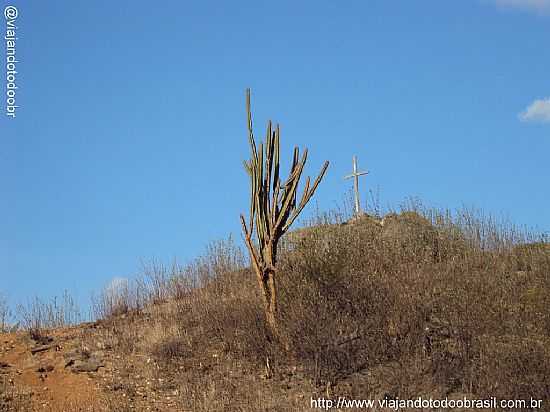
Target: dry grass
[13,399]
[38,314]
[426,304]
[466,302]
[461,301]
[5,314]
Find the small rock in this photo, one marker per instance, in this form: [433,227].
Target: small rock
[117,387]
[41,348]
[45,368]
[89,365]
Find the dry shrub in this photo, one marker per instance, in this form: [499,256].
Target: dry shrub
[170,348]
[235,390]
[411,236]
[227,313]
[5,314]
[220,308]
[419,286]
[38,316]
[532,256]
[57,312]
[120,297]
[339,306]
[511,367]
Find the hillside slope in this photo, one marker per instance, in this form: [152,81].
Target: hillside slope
[398,308]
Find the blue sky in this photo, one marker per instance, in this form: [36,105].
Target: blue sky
[131,130]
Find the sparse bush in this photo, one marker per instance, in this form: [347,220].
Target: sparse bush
[223,306]
[119,297]
[170,348]
[38,314]
[5,314]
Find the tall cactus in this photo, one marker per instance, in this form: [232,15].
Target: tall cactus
[273,208]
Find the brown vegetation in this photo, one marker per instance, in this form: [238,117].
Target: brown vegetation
[419,303]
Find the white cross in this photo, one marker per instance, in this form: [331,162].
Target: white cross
[356,175]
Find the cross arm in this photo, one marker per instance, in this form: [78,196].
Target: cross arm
[356,174]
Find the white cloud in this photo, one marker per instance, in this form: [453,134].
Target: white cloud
[540,6]
[116,287]
[538,111]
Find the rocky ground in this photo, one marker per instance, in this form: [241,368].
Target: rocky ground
[82,369]
[77,370]
[73,369]
[48,372]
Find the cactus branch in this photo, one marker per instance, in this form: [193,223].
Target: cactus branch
[273,207]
